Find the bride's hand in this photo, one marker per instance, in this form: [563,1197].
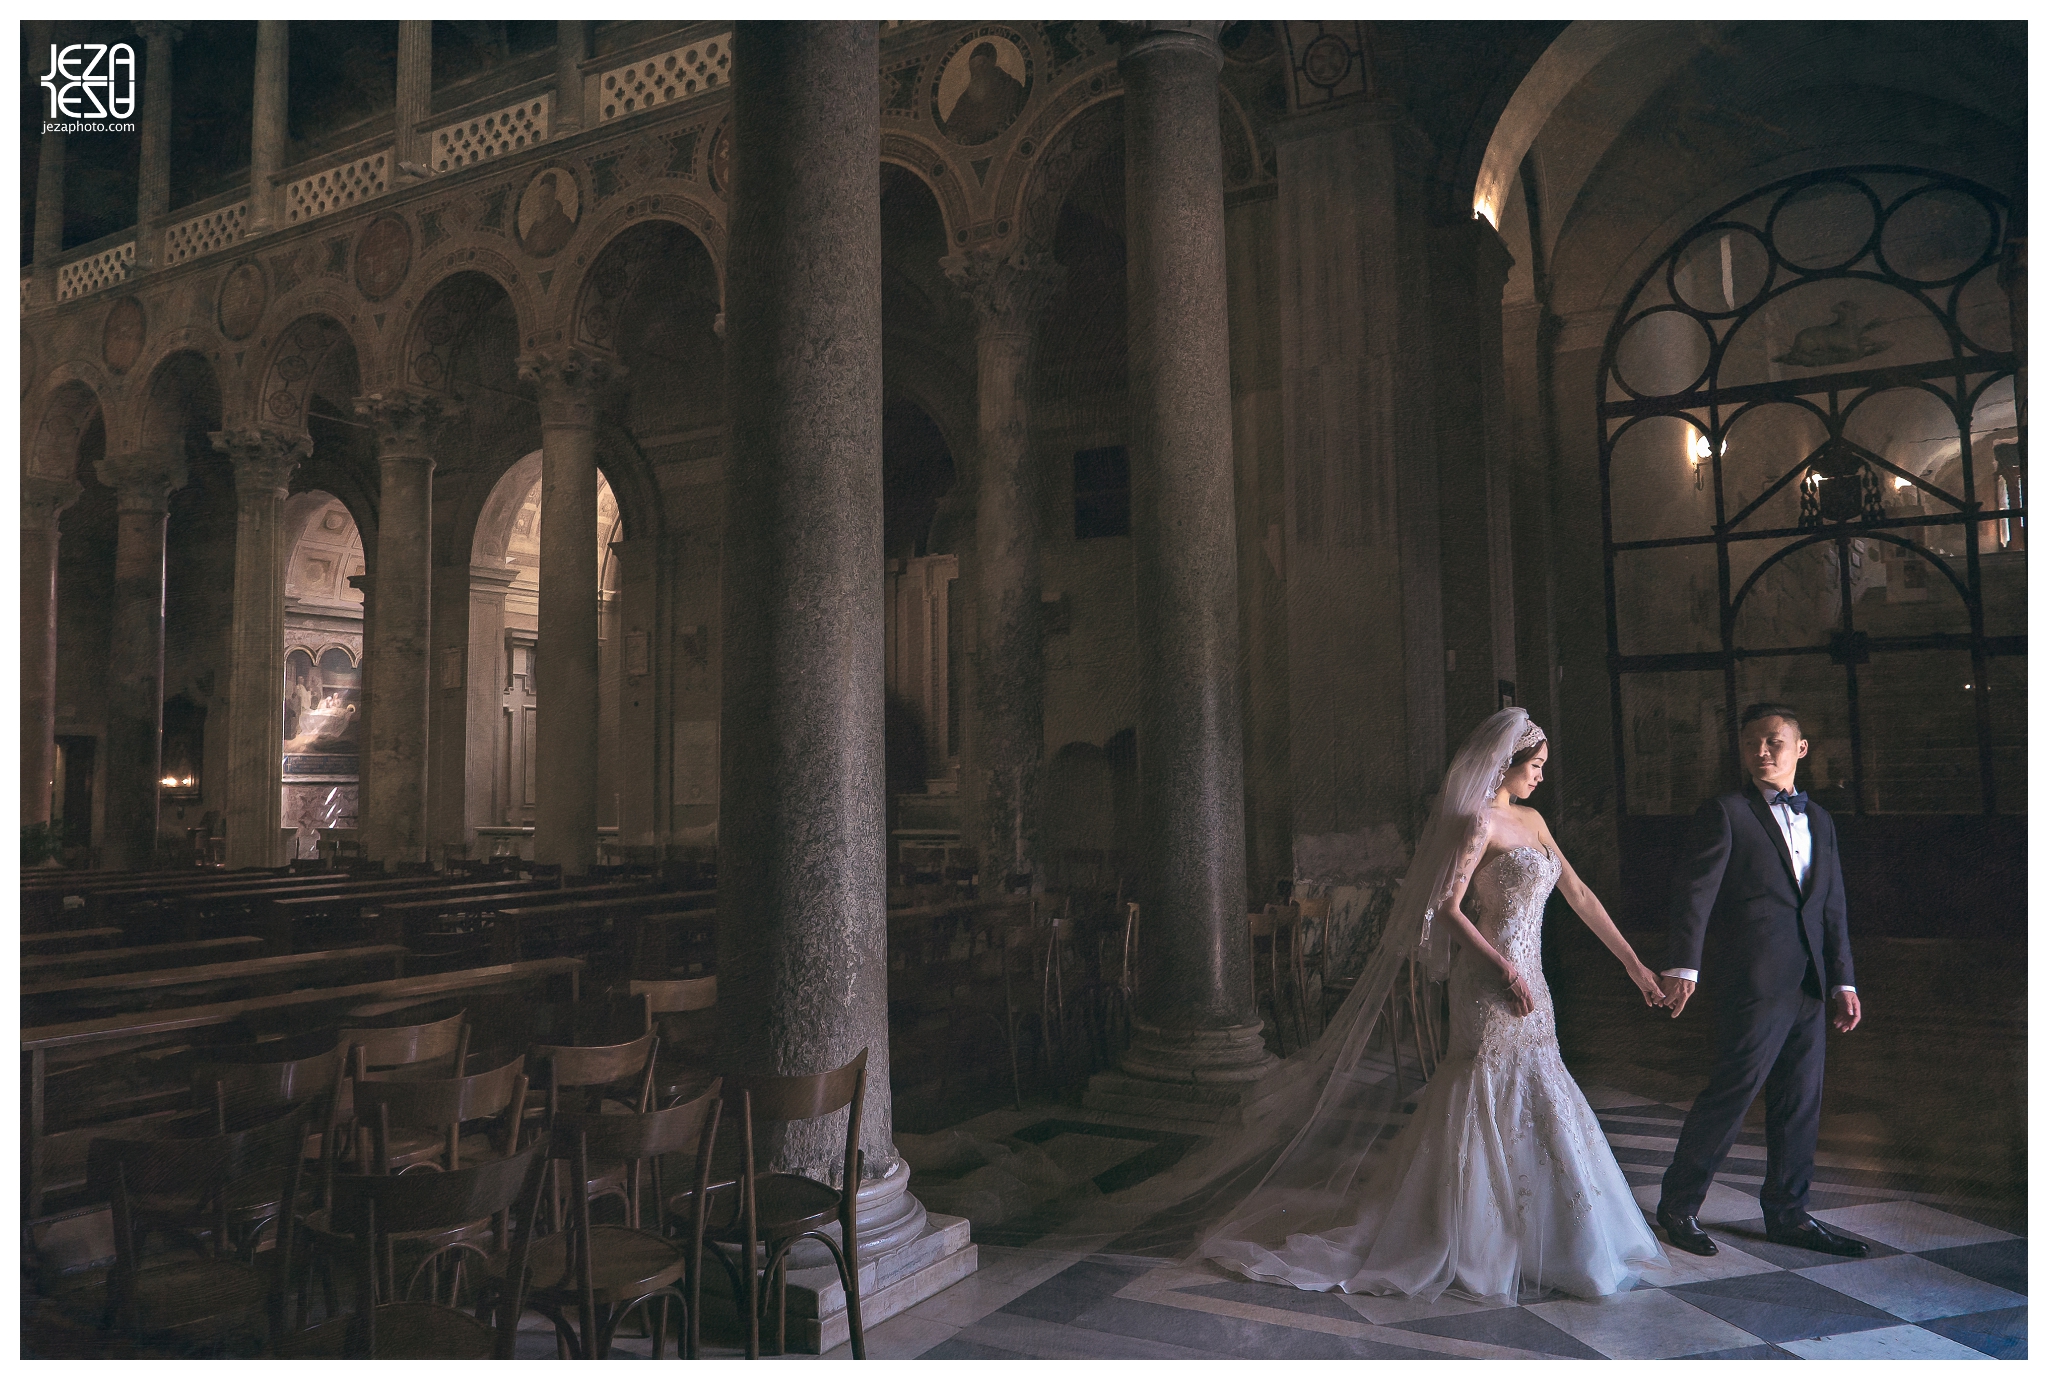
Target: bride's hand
[1518,990]
[1646,983]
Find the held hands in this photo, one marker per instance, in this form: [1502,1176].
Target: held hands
[1677,991]
[1649,985]
[1848,1012]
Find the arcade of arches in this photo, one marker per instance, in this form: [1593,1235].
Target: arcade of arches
[1154,458]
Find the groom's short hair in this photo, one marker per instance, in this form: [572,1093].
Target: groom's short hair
[1766,709]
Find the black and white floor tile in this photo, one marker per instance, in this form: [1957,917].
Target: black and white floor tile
[1946,1278]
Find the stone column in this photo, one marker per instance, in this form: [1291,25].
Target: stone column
[1364,601]
[1468,271]
[570,385]
[396,651]
[1195,1020]
[415,104]
[41,501]
[1009,292]
[49,232]
[143,482]
[802,939]
[153,181]
[571,38]
[268,134]
[264,460]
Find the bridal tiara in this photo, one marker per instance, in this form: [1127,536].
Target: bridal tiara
[1531,736]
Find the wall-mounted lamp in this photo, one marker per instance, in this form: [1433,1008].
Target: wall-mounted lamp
[1703,451]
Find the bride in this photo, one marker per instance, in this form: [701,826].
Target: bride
[1501,1184]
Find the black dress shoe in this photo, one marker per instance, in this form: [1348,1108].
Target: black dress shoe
[1685,1233]
[1812,1236]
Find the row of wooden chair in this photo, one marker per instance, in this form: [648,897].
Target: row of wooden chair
[396,1099]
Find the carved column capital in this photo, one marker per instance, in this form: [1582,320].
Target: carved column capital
[1008,289]
[264,457]
[1138,37]
[571,383]
[42,499]
[407,421]
[143,479]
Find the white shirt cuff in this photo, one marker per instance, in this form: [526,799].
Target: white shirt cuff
[1836,991]
[1686,974]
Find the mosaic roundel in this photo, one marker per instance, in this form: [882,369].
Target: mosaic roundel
[549,209]
[243,295]
[982,86]
[383,257]
[121,340]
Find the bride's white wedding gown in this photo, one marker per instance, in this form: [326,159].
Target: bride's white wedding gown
[1501,1184]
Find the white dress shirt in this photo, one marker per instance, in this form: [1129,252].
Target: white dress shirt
[1798,834]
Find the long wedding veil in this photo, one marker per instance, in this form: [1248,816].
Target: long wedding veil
[1292,1169]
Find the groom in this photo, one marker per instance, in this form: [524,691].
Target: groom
[1757,915]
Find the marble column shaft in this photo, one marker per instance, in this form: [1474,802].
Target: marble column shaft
[143,482]
[153,172]
[571,385]
[393,813]
[415,95]
[41,501]
[802,939]
[264,460]
[267,128]
[1195,1017]
[1006,737]
[571,38]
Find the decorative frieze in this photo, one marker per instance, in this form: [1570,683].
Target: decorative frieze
[332,189]
[102,270]
[202,235]
[516,127]
[675,75]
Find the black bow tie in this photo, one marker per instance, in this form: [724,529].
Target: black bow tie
[1795,800]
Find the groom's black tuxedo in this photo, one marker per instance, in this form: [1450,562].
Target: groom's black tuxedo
[1768,953]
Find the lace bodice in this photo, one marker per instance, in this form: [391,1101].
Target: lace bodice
[1505,903]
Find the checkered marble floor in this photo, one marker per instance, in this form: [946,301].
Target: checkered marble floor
[1945,1278]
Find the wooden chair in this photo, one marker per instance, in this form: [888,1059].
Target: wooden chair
[576,1079]
[1279,926]
[413,1122]
[1315,926]
[370,1209]
[681,1011]
[605,1271]
[386,1046]
[776,1210]
[243,1083]
[178,1185]
[1111,990]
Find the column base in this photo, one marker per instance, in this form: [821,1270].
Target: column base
[940,1255]
[1211,1076]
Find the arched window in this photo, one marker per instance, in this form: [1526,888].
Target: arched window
[1811,470]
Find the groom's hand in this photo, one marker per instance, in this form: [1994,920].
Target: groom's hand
[1848,1012]
[1676,991]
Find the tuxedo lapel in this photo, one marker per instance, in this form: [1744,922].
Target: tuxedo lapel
[1774,833]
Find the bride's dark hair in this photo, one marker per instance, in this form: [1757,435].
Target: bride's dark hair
[1525,754]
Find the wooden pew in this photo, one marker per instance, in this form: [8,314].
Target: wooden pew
[77,1042]
[47,967]
[70,941]
[293,920]
[129,906]
[160,916]
[519,929]
[134,990]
